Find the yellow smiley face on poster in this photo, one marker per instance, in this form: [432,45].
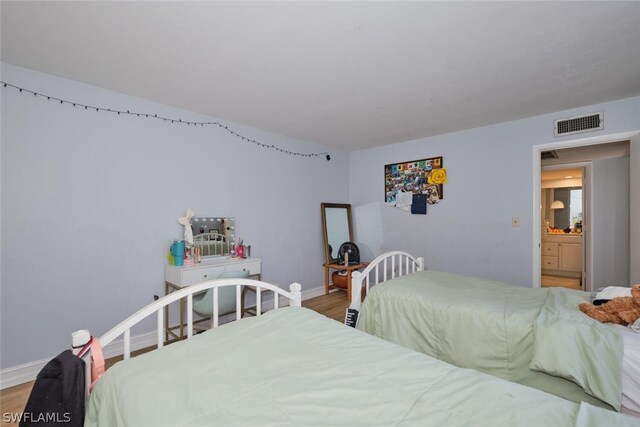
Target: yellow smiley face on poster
[438,176]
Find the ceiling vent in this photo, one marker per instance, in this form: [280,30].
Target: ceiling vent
[546,155]
[579,124]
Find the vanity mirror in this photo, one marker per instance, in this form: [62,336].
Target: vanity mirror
[562,207]
[336,227]
[213,235]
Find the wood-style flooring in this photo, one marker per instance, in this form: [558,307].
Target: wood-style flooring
[14,399]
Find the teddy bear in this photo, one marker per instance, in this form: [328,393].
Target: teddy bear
[621,310]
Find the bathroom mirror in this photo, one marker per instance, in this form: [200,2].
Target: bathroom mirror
[214,235]
[336,228]
[566,214]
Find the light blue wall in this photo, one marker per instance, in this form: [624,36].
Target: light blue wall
[90,202]
[490,180]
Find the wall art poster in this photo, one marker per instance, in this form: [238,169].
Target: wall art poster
[403,180]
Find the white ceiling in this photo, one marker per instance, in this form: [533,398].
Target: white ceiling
[554,174]
[350,75]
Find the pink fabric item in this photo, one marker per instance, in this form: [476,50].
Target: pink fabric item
[97,362]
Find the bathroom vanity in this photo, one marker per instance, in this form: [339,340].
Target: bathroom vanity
[561,257]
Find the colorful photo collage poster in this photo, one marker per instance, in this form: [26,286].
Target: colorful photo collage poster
[403,180]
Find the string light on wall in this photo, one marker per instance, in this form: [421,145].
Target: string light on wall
[166,119]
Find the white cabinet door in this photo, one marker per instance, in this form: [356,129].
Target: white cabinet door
[570,257]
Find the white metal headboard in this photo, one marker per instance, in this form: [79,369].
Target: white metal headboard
[387,266]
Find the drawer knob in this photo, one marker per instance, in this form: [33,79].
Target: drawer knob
[205,275]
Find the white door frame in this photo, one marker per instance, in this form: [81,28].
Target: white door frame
[537,165]
[587,229]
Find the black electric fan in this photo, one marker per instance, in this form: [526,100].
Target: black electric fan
[351,249]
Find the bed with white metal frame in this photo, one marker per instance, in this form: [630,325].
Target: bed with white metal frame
[395,264]
[80,338]
[288,366]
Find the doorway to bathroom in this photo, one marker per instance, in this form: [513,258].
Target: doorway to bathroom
[563,216]
[594,249]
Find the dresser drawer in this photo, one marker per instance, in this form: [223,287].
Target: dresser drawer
[550,262]
[549,249]
[198,275]
[253,266]
[210,270]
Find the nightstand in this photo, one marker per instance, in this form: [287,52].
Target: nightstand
[350,268]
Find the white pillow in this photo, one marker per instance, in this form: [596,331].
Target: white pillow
[611,292]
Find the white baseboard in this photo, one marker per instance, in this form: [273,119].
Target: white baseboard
[20,374]
[28,372]
[315,292]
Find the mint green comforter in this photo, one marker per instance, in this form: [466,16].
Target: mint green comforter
[498,328]
[294,367]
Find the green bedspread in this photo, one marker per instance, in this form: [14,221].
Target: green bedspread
[294,367]
[497,328]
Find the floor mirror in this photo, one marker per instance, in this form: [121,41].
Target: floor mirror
[336,227]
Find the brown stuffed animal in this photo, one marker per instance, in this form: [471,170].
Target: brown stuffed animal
[621,310]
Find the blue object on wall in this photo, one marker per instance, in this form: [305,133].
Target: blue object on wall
[419,204]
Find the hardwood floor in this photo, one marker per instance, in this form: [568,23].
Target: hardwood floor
[561,281]
[333,305]
[14,399]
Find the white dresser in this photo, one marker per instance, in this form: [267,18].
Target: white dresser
[209,269]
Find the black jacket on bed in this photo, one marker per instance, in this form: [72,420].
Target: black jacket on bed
[57,397]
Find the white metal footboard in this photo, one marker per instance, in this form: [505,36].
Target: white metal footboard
[387,266]
[157,307]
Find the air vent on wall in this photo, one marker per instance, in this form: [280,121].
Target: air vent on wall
[587,123]
[545,155]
